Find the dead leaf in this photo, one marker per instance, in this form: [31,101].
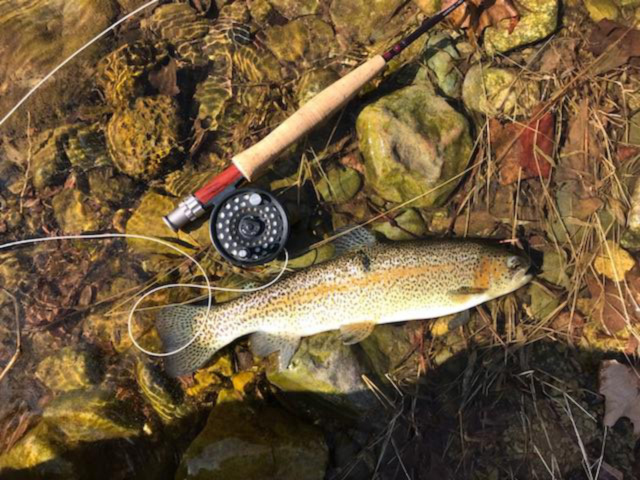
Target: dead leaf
[165,79]
[625,51]
[560,56]
[523,150]
[613,262]
[620,385]
[480,14]
[569,325]
[608,307]
[580,149]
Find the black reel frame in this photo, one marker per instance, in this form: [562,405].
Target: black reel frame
[248,226]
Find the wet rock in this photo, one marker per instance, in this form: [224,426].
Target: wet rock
[495,91]
[303,41]
[180,25]
[329,373]
[74,213]
[539,19]
[392,346]
[69,369]
[260,10]
[295,8]
[144,140]
[313,82]
[412,141]
[40,453]
[144,222]
[358,19]
[243,443]
[49,163]
[110,187]
[441,56]
[602,9]
[86,148]
[339,185]
[122,74]
[15,270]
[37,37]
[92,415]
[409,225]
[163,393]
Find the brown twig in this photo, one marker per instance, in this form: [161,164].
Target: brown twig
[14,358]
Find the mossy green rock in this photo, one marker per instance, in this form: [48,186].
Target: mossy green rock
[295,8]
[339,185]
[441,56]
[409,225]
[144,140]
[328,374]
[412,142]
[358,19]
[539,19]
[602,9]
[388,346]
[69,369]
[498,91]
[92,415]
[304,40]
[242,443]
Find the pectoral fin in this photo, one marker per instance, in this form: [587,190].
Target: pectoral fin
[264,344]
[355,238]
[467,291]
[356,332]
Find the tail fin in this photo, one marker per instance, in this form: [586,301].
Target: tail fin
[177,326]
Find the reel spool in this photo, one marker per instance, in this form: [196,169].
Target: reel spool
[249,227]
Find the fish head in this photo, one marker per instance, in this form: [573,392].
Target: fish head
[505,271]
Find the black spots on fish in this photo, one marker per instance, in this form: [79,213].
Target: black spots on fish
[365,260]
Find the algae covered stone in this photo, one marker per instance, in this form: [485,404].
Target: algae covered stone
[243,443]
[494,91]
[539,19]
[413,142]
[327,374]
[313,82]
[304,40]
[296,8]
[358,19]
[69,369]
[73,212]
[339,185]
[144,140]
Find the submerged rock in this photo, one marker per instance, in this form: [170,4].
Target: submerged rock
[296,8]
[262,443]
[358,19]
[412,141]
[303,41]
[409,225]
[69,369]
[92,415]
[49,163]
[339,185]
[495,91]
[328,374]
[313,82]
[144,140]
[39,453]
[539,19]
[163,393]
[74,214]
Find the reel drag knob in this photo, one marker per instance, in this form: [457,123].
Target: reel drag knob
[249,227]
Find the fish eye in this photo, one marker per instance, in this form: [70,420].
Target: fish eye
[514,262]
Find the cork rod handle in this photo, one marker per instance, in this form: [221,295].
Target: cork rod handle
[255,159]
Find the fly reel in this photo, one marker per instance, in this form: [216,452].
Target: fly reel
[249,227]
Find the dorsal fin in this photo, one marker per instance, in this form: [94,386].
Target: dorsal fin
[355,238]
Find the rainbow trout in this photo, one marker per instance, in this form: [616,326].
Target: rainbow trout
[367,284]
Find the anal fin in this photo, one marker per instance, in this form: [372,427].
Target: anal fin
[264,344]
[356,332]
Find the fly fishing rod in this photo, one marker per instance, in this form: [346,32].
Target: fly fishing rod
[249,226]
